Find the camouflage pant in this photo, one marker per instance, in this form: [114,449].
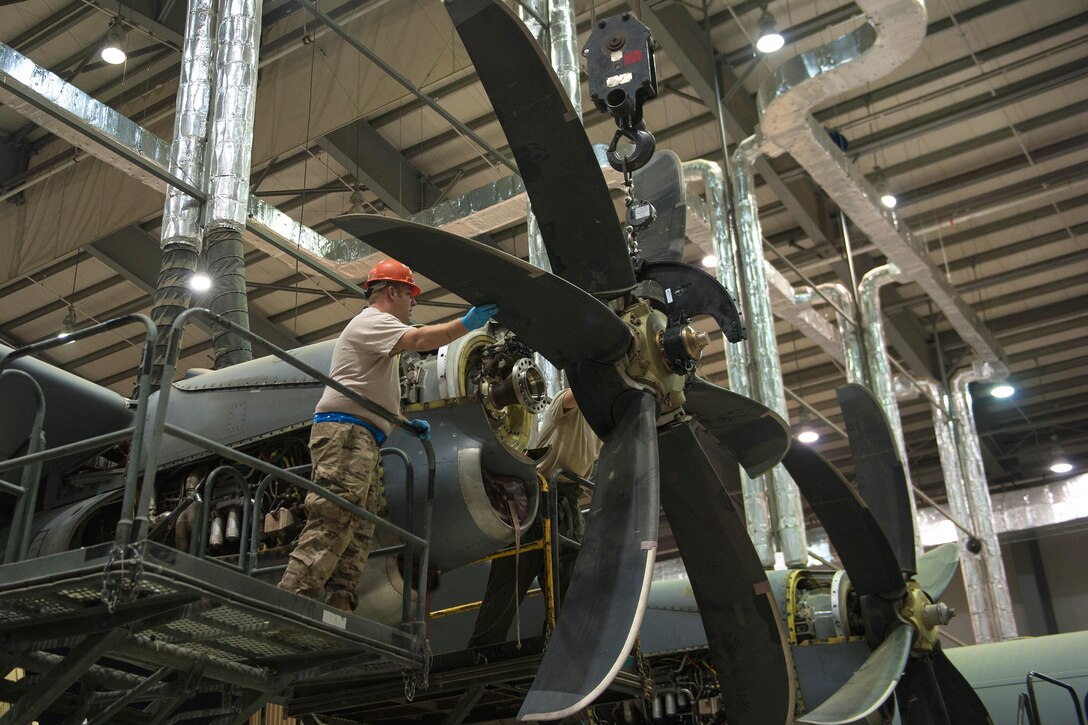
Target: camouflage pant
[333,547]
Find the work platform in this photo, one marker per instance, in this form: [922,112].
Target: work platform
[484,684]
[155,630]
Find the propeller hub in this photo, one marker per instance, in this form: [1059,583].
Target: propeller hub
[647,364]
[937,614]
[919,611]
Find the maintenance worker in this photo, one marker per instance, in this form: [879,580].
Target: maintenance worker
[333,547]
[573,447]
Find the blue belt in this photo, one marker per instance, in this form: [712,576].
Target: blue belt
[379,437]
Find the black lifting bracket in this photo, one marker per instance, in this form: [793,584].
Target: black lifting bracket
[622,77]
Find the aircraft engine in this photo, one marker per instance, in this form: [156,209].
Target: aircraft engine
[479,394]
[497,370]
[823,625]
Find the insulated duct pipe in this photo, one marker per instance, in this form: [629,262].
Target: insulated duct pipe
[880,371]
[894,31]
[978,492]
[559,41]
[229,152]
[790,522]
[849,333]
[757,510]
[181,229]
[974,575]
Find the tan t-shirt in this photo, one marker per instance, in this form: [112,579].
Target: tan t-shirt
[362,362]
[574,445]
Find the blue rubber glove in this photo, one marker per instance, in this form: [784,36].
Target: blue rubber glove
[423,427]
[478,316]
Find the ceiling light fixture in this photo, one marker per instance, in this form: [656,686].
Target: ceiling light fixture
[808,434]
[1059,463]
[887,198]
[1004,390]
[70,321]
[200,282]
[113,52]
[770,40]
[1061,466]
[710,261]
[356,200]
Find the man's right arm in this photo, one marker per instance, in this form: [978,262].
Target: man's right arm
[429,337]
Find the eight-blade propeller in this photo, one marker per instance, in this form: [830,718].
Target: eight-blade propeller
[629,363]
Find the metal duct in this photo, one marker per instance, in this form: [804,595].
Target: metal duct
[768,369]
[181,213]
[794,305]
[480,211]
[229,150]
[227,268]
[172,297]
[563,33]
[978,491]
[785,303]
[231,142]
[757,509]
[62,109]
[880,372]
[974,577]
[558,40]
[849,334]
[181,231]
[71,114]
[894,32]
[497,205]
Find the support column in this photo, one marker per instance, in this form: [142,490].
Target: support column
[767,369]
[181,231]
[560,41]
[849,332]
[971,565]
[229,152]
[978,493]
[757,509]
[880,372]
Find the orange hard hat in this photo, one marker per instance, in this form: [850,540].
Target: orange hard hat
[390,270]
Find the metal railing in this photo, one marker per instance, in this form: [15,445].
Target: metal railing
[247,559]
[1032,704]
[26,494]
[146,439]
[134,432]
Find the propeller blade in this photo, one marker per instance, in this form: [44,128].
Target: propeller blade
[689,291]
[870,686]
[919,695]
[661,182]
[855,533]
[936,568]
[603,608]
[742,623]
[550,315]
[879,475]
[561,173]
[960,699]
[750,431]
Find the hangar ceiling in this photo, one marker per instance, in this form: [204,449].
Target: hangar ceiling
[980,135]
